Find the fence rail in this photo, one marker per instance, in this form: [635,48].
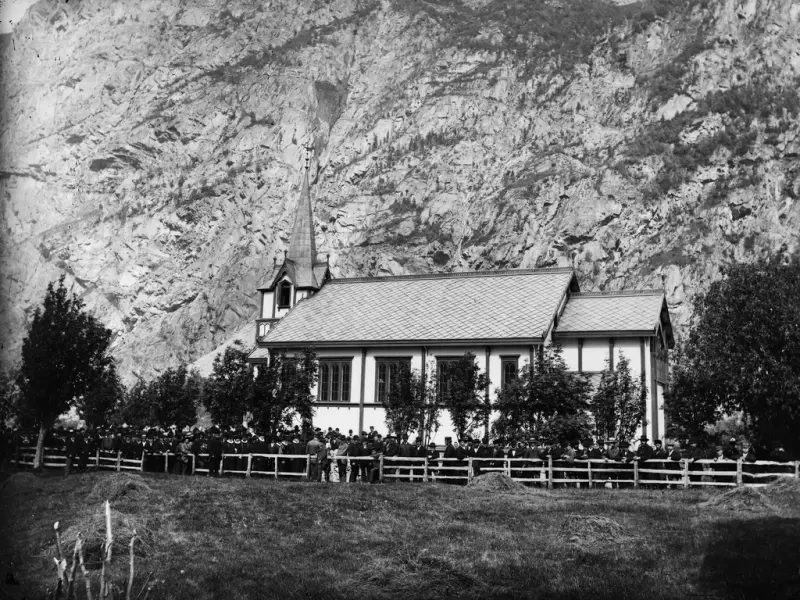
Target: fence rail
[545,473]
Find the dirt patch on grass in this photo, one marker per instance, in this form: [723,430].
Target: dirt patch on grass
[740,499]
[593,531]
[497,482]
[114,486]
[92,528]
[20,483]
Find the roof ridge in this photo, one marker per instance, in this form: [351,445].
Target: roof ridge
[458,275]
[618,293]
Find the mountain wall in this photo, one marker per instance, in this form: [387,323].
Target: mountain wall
[151,151]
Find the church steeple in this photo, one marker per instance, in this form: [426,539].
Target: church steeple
[302,247]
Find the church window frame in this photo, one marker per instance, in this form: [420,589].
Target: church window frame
[442,379]
[335,381]
[509,369]
[386,368]
[284,295]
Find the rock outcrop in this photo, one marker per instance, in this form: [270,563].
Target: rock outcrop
[151,151]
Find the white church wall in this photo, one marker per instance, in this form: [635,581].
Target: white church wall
[267,299]
[631,349]
[595,353]
[569,348]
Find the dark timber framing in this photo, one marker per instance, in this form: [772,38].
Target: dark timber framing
[363,388]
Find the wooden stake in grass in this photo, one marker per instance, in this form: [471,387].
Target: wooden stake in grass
[83,569]
[130,574]
[58,540]
[104,588]
[74,569]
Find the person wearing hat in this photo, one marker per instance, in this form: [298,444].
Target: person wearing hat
[404,450]
[390,450]
[432,454]
[645,450]
[353,451]
[215,450]
[626,458]
[482,452]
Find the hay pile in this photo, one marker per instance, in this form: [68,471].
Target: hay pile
[784,492]
[594,531]
[740,499]
[92,528]
[496,482]
[21,483]
[114,486]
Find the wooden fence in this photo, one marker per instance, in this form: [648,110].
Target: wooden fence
[544,473]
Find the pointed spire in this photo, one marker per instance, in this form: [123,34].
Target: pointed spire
[302,247]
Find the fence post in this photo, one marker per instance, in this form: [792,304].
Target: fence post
[166,462]
[221,465]
[425,471]
[249,463]
[119,460]
[276,467]
[380,468]
[686,473]
[308,467]
[194,463]
[550,471]
[589,471]
[141,466]
[636,474]
[469,470]
[797,469]
[96,459]
[739,478]
[508,467]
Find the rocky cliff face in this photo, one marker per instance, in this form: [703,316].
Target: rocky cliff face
[151,150]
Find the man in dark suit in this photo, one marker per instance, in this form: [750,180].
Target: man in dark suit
[215,448]
[390,450]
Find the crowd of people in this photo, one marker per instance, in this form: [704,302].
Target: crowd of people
[337,456]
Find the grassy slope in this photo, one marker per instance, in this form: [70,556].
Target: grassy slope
[259,538]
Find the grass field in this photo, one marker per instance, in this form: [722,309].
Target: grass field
[236,538]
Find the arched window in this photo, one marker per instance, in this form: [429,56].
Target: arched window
[284,294]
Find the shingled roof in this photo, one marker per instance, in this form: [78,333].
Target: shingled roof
[615,314]
[455,307]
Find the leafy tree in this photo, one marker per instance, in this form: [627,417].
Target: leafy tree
[461,391]
[171,398]
[136,408]
[175,395]
[100,401]
[227,391]
[743,352]
[64,354]
[620,401]
[548,401]
[9,397]
[689,407]
[405,400]
[281,391]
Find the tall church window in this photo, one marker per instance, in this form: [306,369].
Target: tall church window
[387,373]
[334,380]
[284,294]
[445,374]
[509,368]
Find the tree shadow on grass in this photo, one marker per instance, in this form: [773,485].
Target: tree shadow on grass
[753,558]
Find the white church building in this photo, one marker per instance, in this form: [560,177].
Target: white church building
[360,327]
